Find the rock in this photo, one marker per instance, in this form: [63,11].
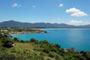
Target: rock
[9,44]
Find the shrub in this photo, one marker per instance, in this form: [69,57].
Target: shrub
[58,57]
[16,39]
[46,51]
[58,46]
[51,55]
[22,41]
[45,42]
[48,59]
[8,44]
[7,57]
[34,40]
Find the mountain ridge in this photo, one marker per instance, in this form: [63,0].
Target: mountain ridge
[13,23]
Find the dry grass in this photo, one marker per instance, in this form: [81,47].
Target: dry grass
[24,46]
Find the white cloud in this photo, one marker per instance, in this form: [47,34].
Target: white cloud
[77,22]
[61,5]
[14,5]
[76,12]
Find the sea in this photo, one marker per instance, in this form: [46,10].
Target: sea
[78,38]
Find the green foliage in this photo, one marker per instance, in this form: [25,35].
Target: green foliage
[5,37]
[7,57]
[16,39]
[51,54]
[22,41]
[8,44]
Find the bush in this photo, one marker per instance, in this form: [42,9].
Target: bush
[58,46]
[22,41]
[34,40]
[51,55]
[7,57]
[46,50]
[45,42]
[48,59]
[8,44]
[16,39]
[58,57]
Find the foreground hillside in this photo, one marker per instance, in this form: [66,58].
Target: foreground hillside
[14,49]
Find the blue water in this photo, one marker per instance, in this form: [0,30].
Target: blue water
[67,38]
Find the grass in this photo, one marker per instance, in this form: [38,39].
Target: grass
[23,46]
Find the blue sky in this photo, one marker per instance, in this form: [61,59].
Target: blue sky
[74,12]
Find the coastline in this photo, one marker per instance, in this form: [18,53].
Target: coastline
[25,32]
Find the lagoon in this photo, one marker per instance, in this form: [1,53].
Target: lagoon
[78,38]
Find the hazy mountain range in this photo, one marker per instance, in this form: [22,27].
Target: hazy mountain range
[13,23]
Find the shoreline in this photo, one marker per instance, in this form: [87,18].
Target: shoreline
[27,32]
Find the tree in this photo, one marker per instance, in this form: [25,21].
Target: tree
[16,39]
[34,40]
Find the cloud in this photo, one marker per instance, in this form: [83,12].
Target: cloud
[77,22]
[14,5]
[76,12]
[61,5]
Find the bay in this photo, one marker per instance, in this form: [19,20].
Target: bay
[78,38]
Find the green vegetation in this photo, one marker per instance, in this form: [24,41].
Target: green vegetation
[22,30]
[14,49]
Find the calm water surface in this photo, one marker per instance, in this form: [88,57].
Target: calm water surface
[67,38]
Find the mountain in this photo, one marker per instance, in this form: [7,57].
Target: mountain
[13,23]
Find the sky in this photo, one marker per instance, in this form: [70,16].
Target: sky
[73,12]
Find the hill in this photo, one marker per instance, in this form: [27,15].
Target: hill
[13,23]
[14,49]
